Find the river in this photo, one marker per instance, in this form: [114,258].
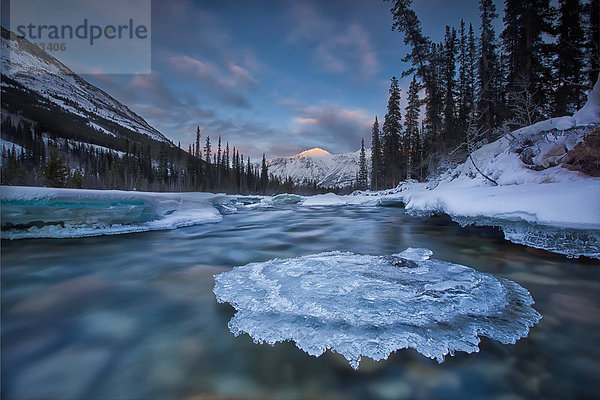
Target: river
[133,316]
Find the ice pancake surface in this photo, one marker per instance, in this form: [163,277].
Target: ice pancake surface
[365,305]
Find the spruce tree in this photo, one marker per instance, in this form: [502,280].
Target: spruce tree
[411,127]
[55,171]
[569,62]
[392,158]
[471,89]
[362,169]
[197,152]
[219,152]
[529,72]
[250,176]
[488,72]
[376,158]
[264,174]
[593,41]
[434,106]
[406,21]
[226,155]
[449,85]
[463,60]
[207,150]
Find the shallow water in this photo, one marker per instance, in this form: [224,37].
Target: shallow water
[133,316]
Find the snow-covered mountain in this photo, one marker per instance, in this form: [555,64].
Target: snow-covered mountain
[31,77]
[327,169]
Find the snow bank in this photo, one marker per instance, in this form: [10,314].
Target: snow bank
[360,305]
[590,112]
[570,204]
[329,199]
[35,212]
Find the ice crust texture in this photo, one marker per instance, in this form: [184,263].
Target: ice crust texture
[364,305]
[32,212]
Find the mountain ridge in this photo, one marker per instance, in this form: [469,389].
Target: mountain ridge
[315,164]
[38,82]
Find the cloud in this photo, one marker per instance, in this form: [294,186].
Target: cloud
[309,24]
[339,54]
[173,114]
[228,83]
[338,50]
[328,125]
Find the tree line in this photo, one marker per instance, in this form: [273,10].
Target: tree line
[41,157]
[472,89]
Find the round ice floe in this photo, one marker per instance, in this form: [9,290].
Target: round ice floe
[362,305]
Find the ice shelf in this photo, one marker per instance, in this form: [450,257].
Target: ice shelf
[365,305]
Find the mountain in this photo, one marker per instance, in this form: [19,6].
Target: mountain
[40,88]
[327,169]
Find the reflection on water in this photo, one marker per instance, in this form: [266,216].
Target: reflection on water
[134,316]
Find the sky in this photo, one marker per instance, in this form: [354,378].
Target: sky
[275,77]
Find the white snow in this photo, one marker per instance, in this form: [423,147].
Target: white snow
[100,128]
[9,146]
[314,152]
[570,204]
[317,164]
[34,212]
[74,143]
[328,199]
[590,112]
[48,77]
[362,305]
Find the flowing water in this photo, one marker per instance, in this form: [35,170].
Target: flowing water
[133,316]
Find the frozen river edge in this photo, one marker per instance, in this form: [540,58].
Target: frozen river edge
[531,215]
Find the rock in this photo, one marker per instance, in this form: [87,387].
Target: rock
[69,292]
[65,374]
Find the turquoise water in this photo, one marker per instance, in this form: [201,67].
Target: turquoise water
[133,316]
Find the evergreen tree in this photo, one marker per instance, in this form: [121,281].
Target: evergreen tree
[393,165]
[376,158]
[434,105]
[406,21]
[55,171]
[569,62]
[197,153]
[207,150]
[489,71]
[217,161]
[463,60]
[529,72]
[362,167]
[470,94]
[411,126]
[264,174]
[593,41]
[250,175]
[450,87]
[226,155]
[163,170]
[219,152]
